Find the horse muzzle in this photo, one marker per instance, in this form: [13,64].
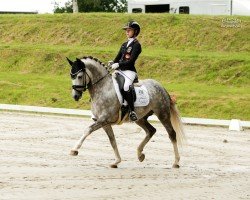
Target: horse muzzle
[76,95]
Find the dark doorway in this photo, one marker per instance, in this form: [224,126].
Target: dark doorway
[136,10]
[161,8]
[184,10]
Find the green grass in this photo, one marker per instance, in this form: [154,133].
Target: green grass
[194,99]
[213,101]
[179,32]
[206,66]
[34,89]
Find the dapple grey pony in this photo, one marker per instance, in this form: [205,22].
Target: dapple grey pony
[90,74]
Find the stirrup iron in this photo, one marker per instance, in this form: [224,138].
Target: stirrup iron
[133,116]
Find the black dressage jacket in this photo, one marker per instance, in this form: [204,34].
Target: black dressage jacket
[127,56]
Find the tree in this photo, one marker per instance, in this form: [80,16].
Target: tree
[93,6]
[113,5]
[68,8]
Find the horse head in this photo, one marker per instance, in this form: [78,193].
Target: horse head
[86,73]
[80,78]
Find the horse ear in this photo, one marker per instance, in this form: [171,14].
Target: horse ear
[70,62]
[78,60]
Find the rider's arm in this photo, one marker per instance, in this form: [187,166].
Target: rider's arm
[119,55]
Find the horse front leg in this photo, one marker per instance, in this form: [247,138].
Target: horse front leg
[87,132]
[110,133]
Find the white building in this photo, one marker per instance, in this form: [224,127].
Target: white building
[203,7]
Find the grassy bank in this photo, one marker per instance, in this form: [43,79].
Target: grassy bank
[205,65]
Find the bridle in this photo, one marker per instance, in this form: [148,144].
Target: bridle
[85,86]
[80,88]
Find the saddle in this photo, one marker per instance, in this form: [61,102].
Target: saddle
[124,109]
[139,92]
[121,80]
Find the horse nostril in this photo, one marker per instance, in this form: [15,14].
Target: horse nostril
[76,97]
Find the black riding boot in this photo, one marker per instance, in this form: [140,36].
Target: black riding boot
[130,99]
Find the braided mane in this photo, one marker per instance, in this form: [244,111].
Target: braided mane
[97,61]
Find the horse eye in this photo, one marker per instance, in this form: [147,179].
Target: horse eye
[73,77]
[79,77]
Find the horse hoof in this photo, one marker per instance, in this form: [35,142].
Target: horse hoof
[176,166]
[141,157]
[113,166]
[73,153]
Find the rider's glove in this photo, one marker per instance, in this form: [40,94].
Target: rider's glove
[115,65]
[111,62]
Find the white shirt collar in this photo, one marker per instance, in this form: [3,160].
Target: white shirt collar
[130,40]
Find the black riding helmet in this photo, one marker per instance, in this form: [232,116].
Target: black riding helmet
[134,25]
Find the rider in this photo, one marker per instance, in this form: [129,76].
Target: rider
[124,63]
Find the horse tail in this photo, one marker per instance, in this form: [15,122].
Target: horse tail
[177,124]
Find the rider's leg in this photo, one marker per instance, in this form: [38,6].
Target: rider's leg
[130,99]
[129,78]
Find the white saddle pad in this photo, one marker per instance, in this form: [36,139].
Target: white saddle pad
[142,97]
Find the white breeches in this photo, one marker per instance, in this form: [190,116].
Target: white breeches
[129,78]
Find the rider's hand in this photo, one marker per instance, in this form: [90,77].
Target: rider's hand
[111,62]
[115,65]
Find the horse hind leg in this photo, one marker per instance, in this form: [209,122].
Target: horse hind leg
[165,120]
[150,131]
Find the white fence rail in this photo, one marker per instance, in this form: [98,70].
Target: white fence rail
[87,113]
